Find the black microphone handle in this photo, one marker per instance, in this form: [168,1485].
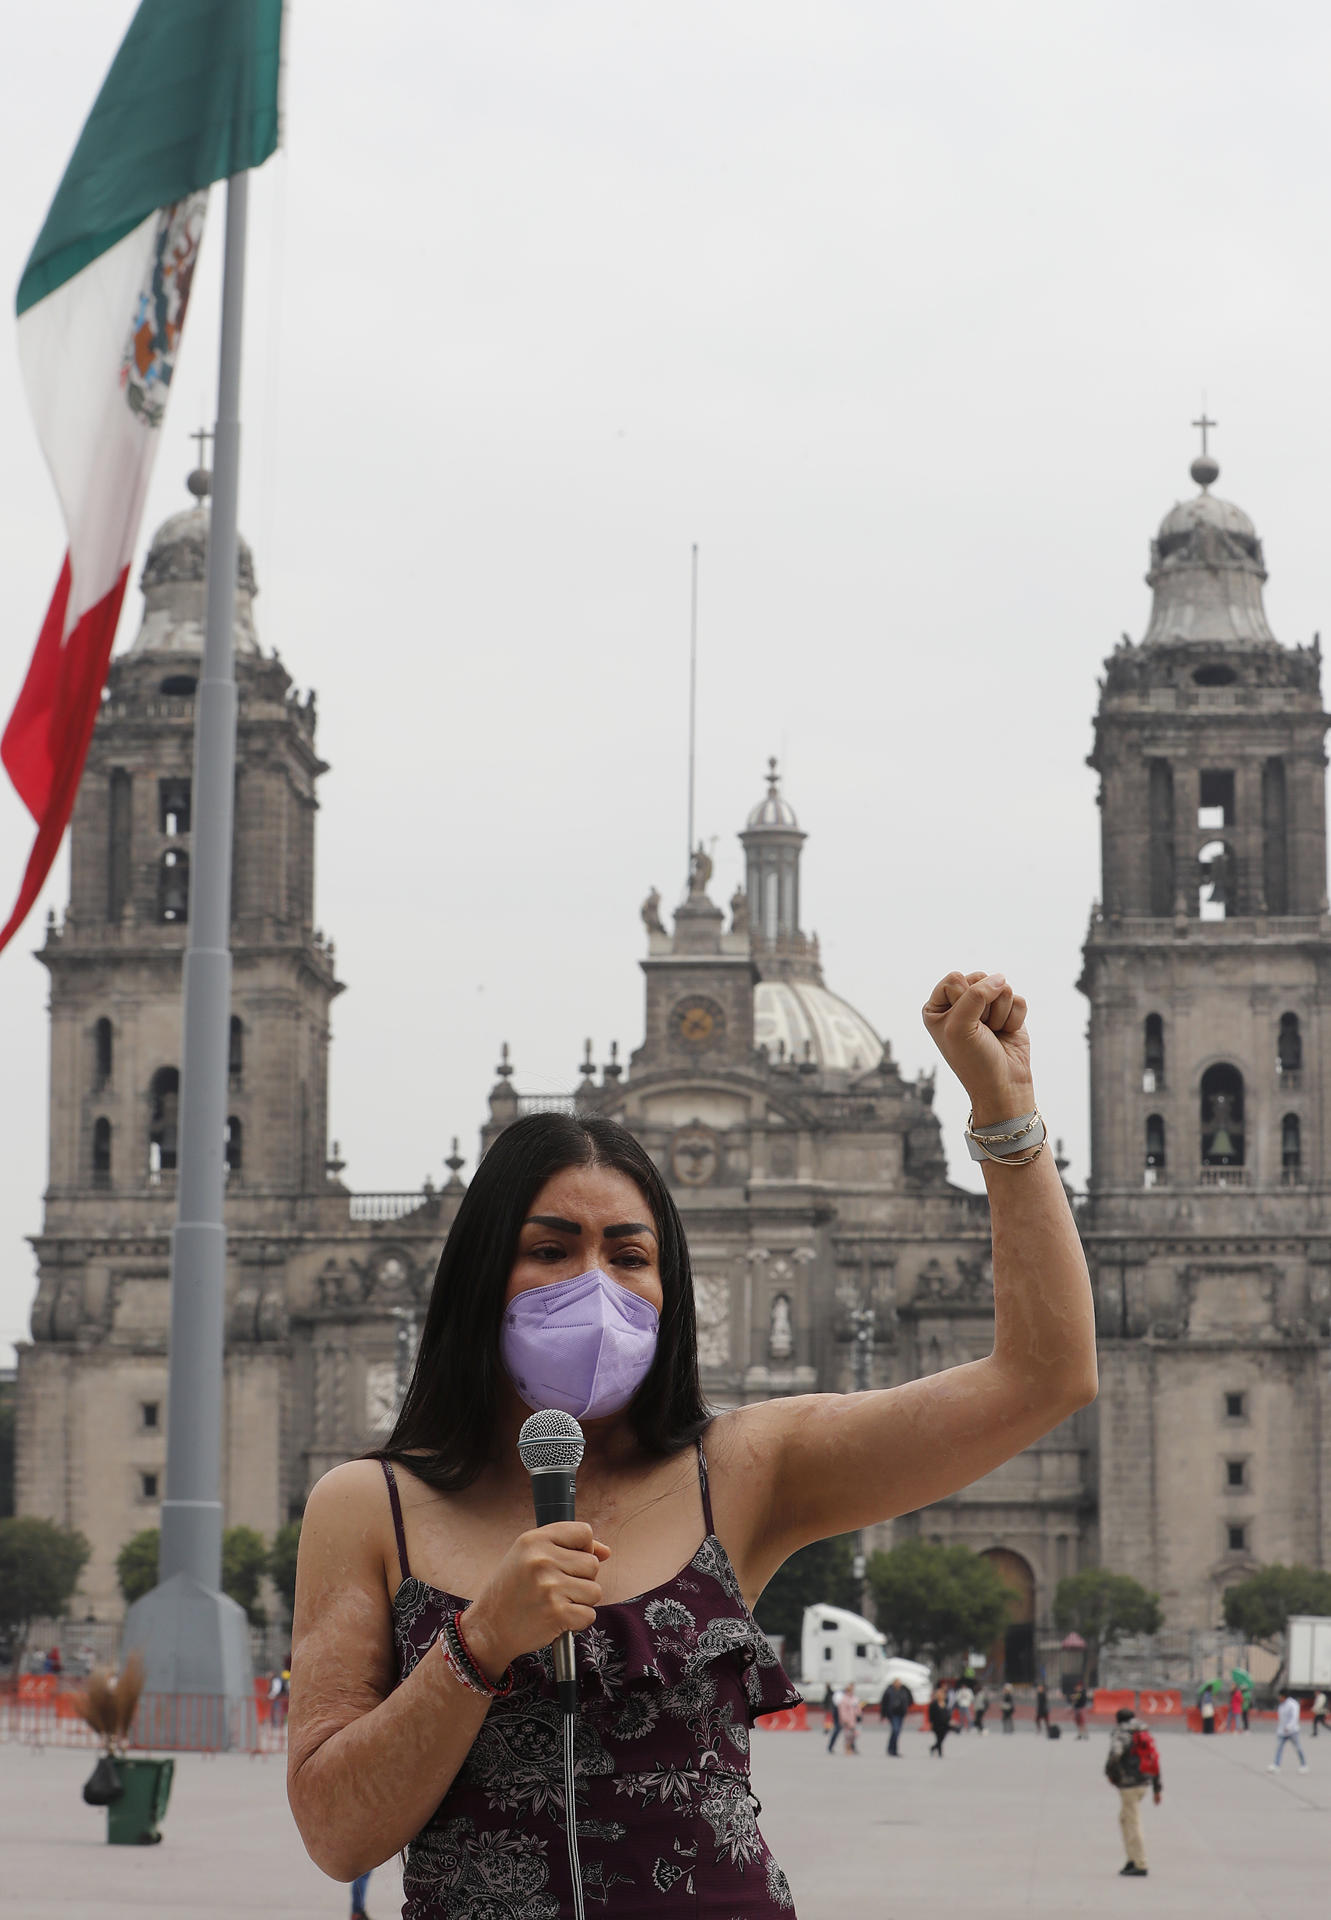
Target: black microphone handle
[553,1496]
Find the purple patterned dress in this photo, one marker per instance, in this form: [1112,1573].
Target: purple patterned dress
[669,1685]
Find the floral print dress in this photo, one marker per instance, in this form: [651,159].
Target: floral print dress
[670,1683]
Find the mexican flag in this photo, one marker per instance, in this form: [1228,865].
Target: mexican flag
[192,96]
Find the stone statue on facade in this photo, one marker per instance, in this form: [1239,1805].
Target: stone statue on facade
[700,872]
[780,1333]
[651,913]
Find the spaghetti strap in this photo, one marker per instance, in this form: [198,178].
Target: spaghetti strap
[391,1478]
[702,1487]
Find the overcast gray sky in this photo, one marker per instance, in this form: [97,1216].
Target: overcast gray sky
[900,312]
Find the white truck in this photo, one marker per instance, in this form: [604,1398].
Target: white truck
[1309,1642]
[838,1647]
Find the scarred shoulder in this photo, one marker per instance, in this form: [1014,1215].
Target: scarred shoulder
[348,1511]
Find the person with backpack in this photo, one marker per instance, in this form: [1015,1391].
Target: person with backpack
[1133,1767]
[896,1703]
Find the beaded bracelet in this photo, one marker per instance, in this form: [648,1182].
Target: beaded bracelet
[461,1662]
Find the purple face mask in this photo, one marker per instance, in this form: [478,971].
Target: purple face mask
[582,1346]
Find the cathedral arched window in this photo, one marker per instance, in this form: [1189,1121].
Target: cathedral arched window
[235,1060]
[163,1121]
[233,1148]
[1153,1054]
[173,887]
[173,802]
[1289,1049]
[1215,887]
[1291,1150]
[1222,1116]
[101,1153]
[101,1046]
[1155,1149]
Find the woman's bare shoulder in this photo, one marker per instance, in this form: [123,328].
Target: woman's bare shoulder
[352,1495]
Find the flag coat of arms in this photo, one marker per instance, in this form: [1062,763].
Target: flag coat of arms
[191,97]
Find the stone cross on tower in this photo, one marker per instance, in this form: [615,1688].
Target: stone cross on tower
[1204,468]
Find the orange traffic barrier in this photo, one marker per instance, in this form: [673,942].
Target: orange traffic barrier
[789,1720]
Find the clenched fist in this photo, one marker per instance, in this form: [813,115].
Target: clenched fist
[978,1025]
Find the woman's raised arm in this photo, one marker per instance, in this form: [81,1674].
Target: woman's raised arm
[806,1468]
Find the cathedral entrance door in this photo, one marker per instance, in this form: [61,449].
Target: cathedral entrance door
[1012,1656]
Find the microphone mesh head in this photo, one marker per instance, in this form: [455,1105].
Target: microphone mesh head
[550,1440]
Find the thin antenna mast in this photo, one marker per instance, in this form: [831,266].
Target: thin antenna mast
[693,700]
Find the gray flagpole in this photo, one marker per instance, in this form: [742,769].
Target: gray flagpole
[194,1639]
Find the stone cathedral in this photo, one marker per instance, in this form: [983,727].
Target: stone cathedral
[831,1251]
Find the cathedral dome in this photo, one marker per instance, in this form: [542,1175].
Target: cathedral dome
[800,1014]
[174,586]
[773,810]
[1207,572]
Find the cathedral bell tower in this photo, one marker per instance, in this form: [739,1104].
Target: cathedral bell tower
[1206,967]
[93,1381]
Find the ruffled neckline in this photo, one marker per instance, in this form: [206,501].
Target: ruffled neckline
[731,1587]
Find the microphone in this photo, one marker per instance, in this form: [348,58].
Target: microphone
[550,1446]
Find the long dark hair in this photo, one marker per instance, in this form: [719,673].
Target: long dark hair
[445,1428]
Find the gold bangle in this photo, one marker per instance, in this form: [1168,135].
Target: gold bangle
[1006,1159]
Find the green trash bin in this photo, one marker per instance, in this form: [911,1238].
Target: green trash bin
[131,1821]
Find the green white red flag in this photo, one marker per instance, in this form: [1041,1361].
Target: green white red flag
[191,97]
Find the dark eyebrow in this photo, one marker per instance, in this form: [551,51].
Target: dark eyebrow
[632,1226]
[553,1220]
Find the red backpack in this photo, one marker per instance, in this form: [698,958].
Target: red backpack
[1144,1756]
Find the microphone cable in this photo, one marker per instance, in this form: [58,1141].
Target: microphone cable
[550,1446]
[571,1819]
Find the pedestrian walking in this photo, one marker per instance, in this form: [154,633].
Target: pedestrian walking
[1235,1718]
[940,1718]
[1041,1709]
[848,1706]
[829,1708]
[1319,1710]
[1208,1712]
[1081,1701]
[1009,1704]
[965,1700]
[358,1897]
[894,1706]
[1133,1767]
[832,1719]
[981,1707]
[1287,1729]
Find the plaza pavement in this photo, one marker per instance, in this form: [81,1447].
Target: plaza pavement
[1001,1827]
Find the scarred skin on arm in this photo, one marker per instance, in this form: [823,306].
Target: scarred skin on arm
[369,1761]
[823,1464]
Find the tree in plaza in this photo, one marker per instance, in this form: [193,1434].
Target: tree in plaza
[40,1565]
[821,1573]
[282,1565]
[136,1565]
[937,1601]
[1104,1607]
[244,1563]
[1260,1606]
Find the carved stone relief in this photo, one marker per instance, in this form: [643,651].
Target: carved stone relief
[711,1305]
